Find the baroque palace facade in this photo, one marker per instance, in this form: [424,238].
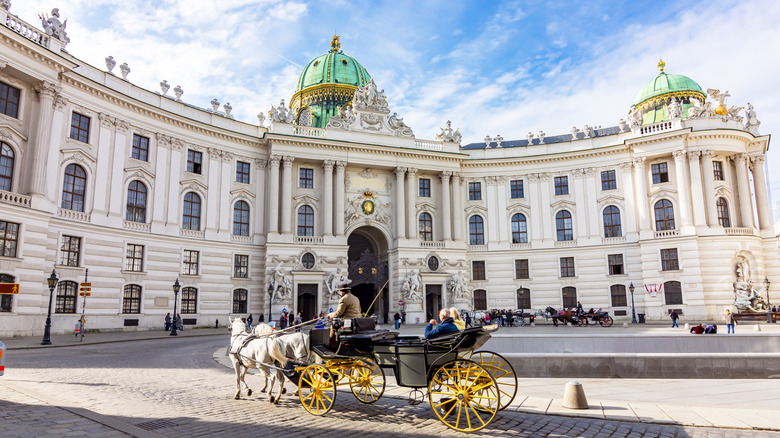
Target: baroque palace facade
[142,189]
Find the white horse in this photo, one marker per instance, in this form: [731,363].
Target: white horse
[543,314]
[255,352]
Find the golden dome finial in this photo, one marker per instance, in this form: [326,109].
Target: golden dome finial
[335,44]
[661,64]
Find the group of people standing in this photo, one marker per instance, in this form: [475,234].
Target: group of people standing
[169,322]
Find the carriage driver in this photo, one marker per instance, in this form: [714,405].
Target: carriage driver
[349,307]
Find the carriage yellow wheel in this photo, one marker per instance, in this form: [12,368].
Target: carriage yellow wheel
[317,389]
[464,395]
[367,381]
[502,371]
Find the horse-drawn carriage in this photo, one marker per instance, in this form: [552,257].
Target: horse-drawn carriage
[596,317]
[465,388]
[581,320]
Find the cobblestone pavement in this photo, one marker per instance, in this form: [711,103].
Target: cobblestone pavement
[173,387]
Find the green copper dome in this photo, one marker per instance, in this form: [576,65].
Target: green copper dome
[326,84]
[653,98]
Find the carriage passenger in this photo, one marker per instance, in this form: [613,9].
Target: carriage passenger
[446,326]
[459,323]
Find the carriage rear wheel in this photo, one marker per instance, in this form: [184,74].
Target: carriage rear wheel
[499,368]
[464,395]
[367,381]
[317,389]
[606,321]
[582,321]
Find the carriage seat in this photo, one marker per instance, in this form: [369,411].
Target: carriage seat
[365,326]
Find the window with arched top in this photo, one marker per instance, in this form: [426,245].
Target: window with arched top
[723,212]
[480,299]
[664,215]
[66,297]
[563,226]
[191,212]
[7,158]
[241,219]
[426,227]
[305,221]
[519,229]
[136,202]
[476,230]
[73,188]
[611,217]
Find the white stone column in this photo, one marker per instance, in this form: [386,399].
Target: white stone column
[446,207]
[116,204]
[273,193]
[46,94]
[626,187]
[341,188]
[225,207]
[260,195]
[503,220]
[708,179]
[411,198]
[591,202]
[548,219]
[327,192]
[160,180]
[105,135]
[493,214]
[762,197]
[580,198]
[697,192]
[212,205]
[287,182]
[53,170]
[683,189]
[400,204]
[536,221]
[174,200]
[640,178]
[457,198]
[743,188]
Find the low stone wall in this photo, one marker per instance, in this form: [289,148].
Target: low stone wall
[646,365]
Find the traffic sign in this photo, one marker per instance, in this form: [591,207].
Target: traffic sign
[85,289]
[85,284]
[400,302]
[85,294]
[284,310]
[9,288]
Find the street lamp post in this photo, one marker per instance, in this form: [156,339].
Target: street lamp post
[768,308]
[52,280]
[633,309]
[270,293]
[176,288]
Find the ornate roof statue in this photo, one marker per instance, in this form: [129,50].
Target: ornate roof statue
[447,134]
[335,44]
[110,64]
[54,27]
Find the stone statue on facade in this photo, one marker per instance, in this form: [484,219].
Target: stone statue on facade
[280,114]
[278,285]
[734,113]
[746,297]
[498,139]
[368,97]
[5,4]
[54,27]
[164,87]
[214,105]
[530,138]
[110,63]
[398,126]
[542,134]
[488,140]
[589,132]
[344,119]
[411,286]
[178,91]
[335,281]
[750,117]
[574,132]
[674,109]
[697,110]
[634,117]
[623,125]
[457,286]
[447,134]
[228,108]
[260,119]
[717,95]
[125,69]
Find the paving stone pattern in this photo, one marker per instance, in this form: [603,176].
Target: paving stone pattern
[173,388]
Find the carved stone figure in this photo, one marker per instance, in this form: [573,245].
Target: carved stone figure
[750,116]
[5,4]
[457,286]
[110,64]
[634,117]
[214,105]
[280,114]
[335,281]
[53,26]
[398,126]
[574,132]
[178,91]
[260,119]
[698,110]
[125,69]
[746,297]
[278,283]
[674,109]
[344,119]
[411,286]
[447,134]
[228,108]
[717,95]
[734,113]
[530,138]
[368,97]
[164,87]
[541,137]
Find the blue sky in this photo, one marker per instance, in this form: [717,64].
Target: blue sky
[492,67]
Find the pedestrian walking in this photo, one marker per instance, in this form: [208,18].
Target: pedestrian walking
[730,322]
[673,314]
[179,323]
[283,321]
[397,320]
[168,321]
[298,321]
[468,320]
[249,320]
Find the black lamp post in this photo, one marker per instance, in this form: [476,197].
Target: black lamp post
[633,309]
[768,307]
[52,280]
[176,288]
[270,293]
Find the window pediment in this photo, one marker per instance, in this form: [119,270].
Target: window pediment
[139,173]
[563,203]
[611,199]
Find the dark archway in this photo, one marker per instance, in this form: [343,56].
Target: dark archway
[367,258]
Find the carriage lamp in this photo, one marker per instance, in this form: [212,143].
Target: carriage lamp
[633,309]
[270,293]
[176,288]
[768,307]
[52,281]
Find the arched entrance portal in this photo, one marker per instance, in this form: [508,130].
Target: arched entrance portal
[367,257]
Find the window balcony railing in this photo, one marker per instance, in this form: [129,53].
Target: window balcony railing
[240,239]
[15,199]
[137,226]
[309,131]
[478,247]
[740,231]
[520,246]
[565,243]
[655,127]
[611,240]
[666,233]
[431,244]
[308,239]
[192,233]
[73,215]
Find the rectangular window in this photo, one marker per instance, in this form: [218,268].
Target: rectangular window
[306,178]
[424,188]
[70,251]
[6,303]
[134,259]
[140,148]
[524,298]
[66,297]
[79,128]
[615,264]
[131,301]
[567,266]
[669,260]
[618,294]
[241,266]
[673,293]
[191,259]
[242,172]
[189,300]
[194,162]
[717,170]
[569,297]
[475,191]
[521,270]
[9,100]
[516,189]
[561,185]
[660,173]
[239,301]
[608,181]
[9,238]
[478,270]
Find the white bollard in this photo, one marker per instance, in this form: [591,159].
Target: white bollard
[756,328]
[625,324]
[574,396]
[687,327]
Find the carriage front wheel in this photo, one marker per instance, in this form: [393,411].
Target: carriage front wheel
[464,395]
[367,381]
[606,321]
[502,371]
[317,389]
